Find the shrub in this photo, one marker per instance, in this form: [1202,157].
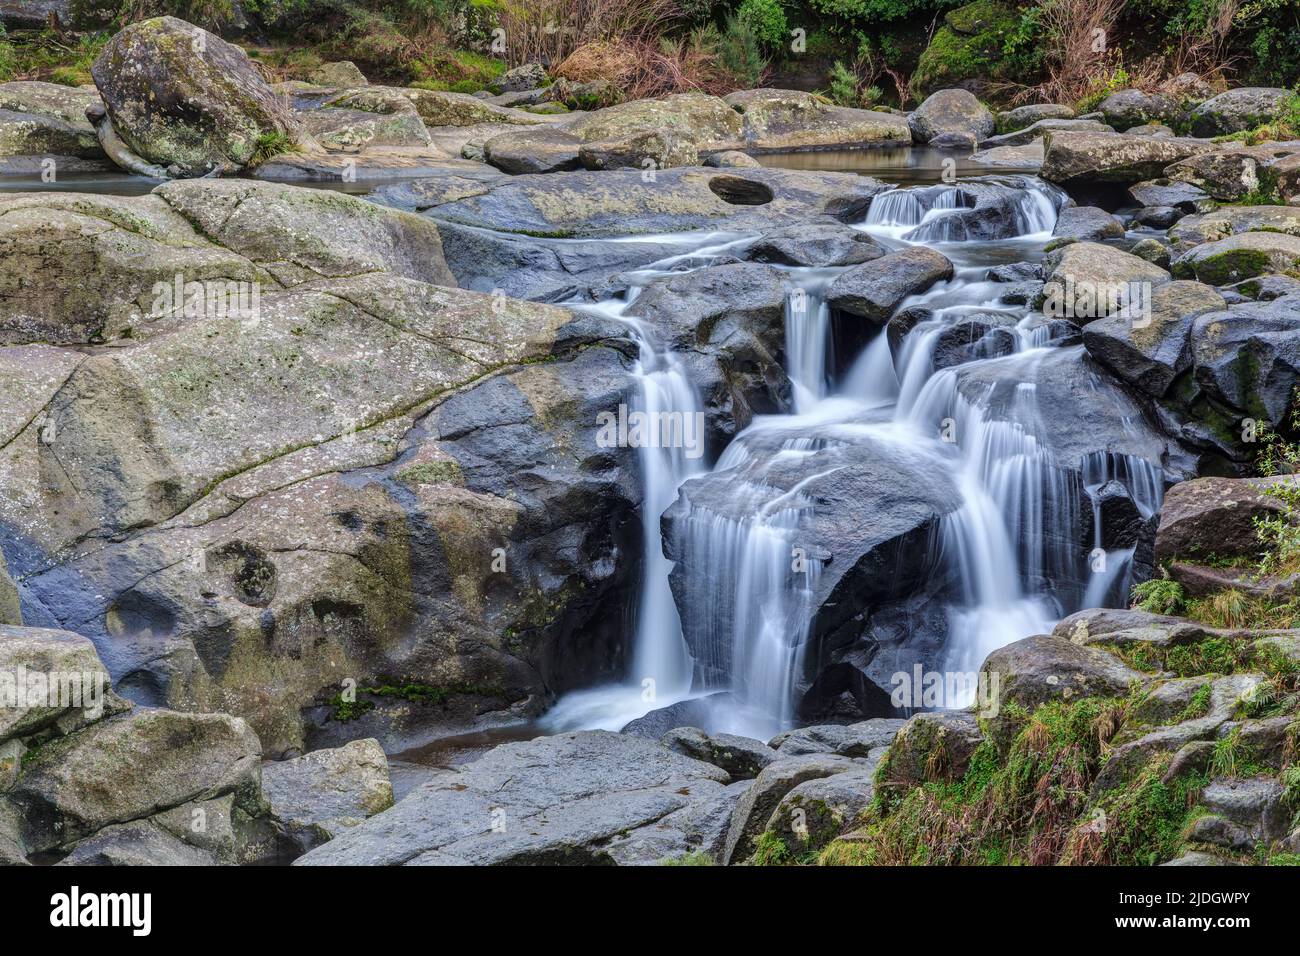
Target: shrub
[844,85]
[739,54]
[8,58]
[767,19]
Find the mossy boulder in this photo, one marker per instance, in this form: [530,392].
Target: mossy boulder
[1086,158]
[132,766]
[184,99]
[29,134]
[1231,174]
[81,691]
[1241,109]
[972,44]
[1233,220]
[951,115]
[777,120]
[1151,354]
[1125,109]
[1238,257]
[930,747]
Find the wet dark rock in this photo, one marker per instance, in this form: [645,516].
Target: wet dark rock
[1151,351]
[728,323]
[816,245]
[1087,223]
[1157,217]
[872,290]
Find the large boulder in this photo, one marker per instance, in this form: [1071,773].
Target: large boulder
[1046,667]
[1082,159]
[1022,116]
[1240,256]
[728,325]
[299,235]
[40,122]
[1239,109]
[132,766]
[252,421]
[553,800]
[322,793]
[586,204]
[81,691]
[1231,220]
[856,566]
[757,805]
[779,120]
[742,757]
[1247,357]
[187,100]
[1208,518]
[1127,108]
[1231,174]
[93,267]
[544,149]
[1089,280]
[952,114]
[1086,223]
[816,245]
[874,289]
[1152,351]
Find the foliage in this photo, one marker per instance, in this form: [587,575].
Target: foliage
[739,53]
[766,19]
[50,57]
[1159,596]
[996,42]
[209,14]
[1027,805]
[8,58]
[844,85]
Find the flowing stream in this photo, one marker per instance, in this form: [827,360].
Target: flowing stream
[1013,549]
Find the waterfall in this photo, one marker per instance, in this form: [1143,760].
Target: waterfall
[752,611]
[1013,552]
[659,652]
[807,329]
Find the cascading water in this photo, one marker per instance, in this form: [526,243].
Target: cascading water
[1014,547]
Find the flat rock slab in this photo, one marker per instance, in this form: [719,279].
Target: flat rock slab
[551,800]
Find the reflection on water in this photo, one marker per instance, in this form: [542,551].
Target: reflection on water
[903,165]
[103,184]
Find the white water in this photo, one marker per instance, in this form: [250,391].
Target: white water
[1013,536]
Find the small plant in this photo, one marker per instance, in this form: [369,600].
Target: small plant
[770,850]
[1280,533]
[844,85]
[269,144]
[1159,596]
[1231,607]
